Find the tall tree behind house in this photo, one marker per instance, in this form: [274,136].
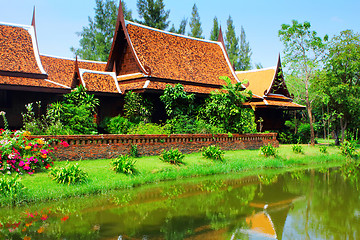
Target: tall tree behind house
[153,13]
[195,24]
[96,39]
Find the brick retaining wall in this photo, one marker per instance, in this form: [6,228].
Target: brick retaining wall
[111,146]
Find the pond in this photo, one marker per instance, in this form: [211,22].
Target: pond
[308,204]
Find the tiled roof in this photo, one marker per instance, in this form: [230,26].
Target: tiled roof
[28,82]
[259,80]
[96,81]
[18,49]
[275,103]
[61,70]
[176,57]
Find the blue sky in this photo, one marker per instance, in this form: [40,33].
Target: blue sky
[58,21]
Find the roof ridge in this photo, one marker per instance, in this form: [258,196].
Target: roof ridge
[257,70]
[170,33]
[72,59]
[16,25]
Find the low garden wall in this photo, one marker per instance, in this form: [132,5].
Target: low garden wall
[111,146]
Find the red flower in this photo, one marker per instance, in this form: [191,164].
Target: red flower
[65,218]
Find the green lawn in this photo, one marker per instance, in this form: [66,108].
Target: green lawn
[40,187]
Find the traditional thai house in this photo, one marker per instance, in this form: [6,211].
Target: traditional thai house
[271,97]
[142,59]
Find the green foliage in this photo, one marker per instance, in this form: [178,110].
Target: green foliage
[348,149]
[244,62]
[153,13]
[69,174]
[117,125]
[232,43]
[96,39]
[11,190]
[124,164]
[214,35]
[213,152]
[225,109]
[182,27]
[268,150]
[184,124]
[202,127]
[323,149]
[136,108]
[148,128]
[177,102]
[195,24]
[173,156]
[6,124]
[134,151]
[76,112]
[297,149]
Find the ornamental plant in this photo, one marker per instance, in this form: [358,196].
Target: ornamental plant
[268,150]
[348,149]
[323,149]
[297,149]
[123,164]
[69,174]
[11,190]
[213,152]
[173,156]
[22,155]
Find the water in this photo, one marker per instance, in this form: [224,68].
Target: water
[315,204]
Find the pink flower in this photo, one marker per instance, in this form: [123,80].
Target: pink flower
[43,151]
[30,173]
[21,163]
[65,144]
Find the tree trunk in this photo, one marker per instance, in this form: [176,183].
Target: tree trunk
[343,125]
[309,110]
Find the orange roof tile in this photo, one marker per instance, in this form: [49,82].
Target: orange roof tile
[61,70]
[28,82]
[18,49]
[96,81]
[259,80]
[176,57]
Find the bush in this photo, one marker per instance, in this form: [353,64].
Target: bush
[21,155]
[123,164]
[268,150]
[70,174]
[148,128]
[323,149]
[297,149]
[11,189]
[348,149]
[184,124]
[173,156]
[134,151]
[213,152]
[136,108]
[205,128]
[117,125]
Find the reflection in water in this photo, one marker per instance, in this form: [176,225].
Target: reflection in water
[307,204]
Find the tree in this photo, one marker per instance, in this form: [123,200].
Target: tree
[136,108]
[341,85]
[225,109]
[214,34]
[232,43]
[304,52]
[244,53]
[195,24]
[177,102]
[96,39]
[182,27]
[153,13]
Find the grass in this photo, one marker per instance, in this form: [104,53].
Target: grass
[150,169]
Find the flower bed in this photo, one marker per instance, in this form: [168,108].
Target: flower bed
[22,155]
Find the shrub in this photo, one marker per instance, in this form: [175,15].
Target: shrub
[148,128]
[134,151]
[297,149]
[203,127]
[173,156]
[136,108]
[118,125]
[323,149]
[177,102]
[348,149]
[11,189]
[21,155]
[213,152]
[268,150]
[69,174]
[123,164]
